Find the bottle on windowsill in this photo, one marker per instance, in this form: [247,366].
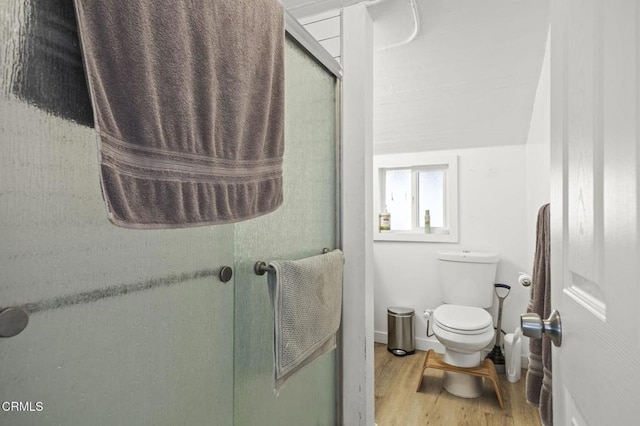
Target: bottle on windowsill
[384,221]
[427,222]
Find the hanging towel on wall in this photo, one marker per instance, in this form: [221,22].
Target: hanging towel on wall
[188,99]
[307,305]
[539,372]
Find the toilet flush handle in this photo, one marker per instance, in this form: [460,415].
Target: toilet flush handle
[534,327]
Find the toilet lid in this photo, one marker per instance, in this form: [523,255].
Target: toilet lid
[462,319]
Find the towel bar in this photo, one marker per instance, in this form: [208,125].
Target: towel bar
[260,268]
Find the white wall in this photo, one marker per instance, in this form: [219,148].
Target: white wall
[357,207]
[538,163]
[492,197]
[538,155]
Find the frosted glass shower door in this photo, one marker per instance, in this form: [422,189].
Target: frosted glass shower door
[126,327]
[135,327]
[301,227]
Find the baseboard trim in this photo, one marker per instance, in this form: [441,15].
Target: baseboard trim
[426,343]
[422,343]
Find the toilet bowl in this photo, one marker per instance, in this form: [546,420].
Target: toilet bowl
[464,331]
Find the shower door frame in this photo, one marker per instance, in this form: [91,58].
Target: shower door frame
[324,58]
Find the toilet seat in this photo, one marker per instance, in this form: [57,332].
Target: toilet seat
[463,331]
[459,319]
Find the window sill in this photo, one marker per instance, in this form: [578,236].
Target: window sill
[416,237]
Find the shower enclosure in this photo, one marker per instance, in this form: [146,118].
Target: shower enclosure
[136,327]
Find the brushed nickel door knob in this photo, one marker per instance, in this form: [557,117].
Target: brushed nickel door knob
[534,327]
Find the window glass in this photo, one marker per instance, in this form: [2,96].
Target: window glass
[398,198]
[431,196]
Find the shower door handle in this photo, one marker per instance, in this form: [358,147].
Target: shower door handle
[13,321]
[225,274]
[533,326]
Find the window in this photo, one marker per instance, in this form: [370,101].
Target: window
[409,184]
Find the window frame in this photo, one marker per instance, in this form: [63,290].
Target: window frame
[417,162]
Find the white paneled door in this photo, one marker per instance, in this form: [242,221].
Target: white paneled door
[595,94]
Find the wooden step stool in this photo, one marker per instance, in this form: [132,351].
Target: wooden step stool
[486,370]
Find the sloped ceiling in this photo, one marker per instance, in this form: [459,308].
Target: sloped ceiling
[467,80]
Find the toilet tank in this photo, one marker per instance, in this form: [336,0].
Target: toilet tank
[467,277]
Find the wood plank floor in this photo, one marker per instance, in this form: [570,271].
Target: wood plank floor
[398,403]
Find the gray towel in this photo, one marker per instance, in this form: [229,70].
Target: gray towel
[188,99]
[539,372]
[307,306]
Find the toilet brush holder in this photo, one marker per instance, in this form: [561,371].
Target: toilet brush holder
[496,355]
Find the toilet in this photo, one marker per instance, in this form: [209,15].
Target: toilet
[461,324]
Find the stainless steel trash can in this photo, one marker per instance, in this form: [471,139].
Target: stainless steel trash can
[400,336]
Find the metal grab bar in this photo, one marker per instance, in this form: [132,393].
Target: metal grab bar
[260,268]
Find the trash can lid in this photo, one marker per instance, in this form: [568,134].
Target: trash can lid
[403,312]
